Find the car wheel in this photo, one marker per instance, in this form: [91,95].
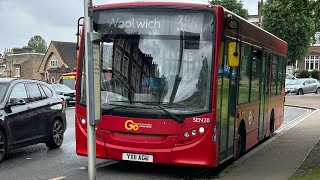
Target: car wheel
[300,92]
[318,91]
[3,146]
[56,135]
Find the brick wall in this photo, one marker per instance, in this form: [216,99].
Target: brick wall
[27,62]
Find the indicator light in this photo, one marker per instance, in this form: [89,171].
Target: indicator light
[193,132]
[186,134]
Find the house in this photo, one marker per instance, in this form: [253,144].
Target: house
[60,58]
[2,66]
[311,59]
[22,63]
[256,19]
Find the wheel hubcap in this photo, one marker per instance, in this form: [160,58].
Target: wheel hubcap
[57,133]
[2,144]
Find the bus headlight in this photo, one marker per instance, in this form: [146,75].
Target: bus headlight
[201,130]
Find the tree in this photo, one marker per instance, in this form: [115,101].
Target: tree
[292,21]
[38,44]
[232,5]
[316,14]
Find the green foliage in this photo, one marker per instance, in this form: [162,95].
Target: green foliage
[304,74]
[292,21]
[38,44]
[232,5]
[316,8]
[315,74]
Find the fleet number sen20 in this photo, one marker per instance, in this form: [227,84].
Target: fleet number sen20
[201,120]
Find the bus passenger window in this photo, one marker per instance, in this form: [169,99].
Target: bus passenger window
[274,81]
[244,79]
[255,75]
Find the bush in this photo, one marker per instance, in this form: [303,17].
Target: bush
[304,74]
[315,74]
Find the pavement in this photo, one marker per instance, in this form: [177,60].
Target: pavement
[280,159]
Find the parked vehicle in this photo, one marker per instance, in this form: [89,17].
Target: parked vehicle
[66,93]
[303,86]
[30,113]
[289,77]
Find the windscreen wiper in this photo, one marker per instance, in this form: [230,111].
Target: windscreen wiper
[109,110]
[173,116]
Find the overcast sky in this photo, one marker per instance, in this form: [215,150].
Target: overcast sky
[52,19]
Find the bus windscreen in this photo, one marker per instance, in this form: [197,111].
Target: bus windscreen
[156,57]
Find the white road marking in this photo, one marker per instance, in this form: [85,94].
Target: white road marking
[58,178]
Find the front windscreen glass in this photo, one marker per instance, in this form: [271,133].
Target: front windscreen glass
[160,57]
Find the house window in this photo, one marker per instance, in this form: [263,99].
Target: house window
[128,46]
[53,80]
[17,73]
[311,63]
[117,60]
[125,66]
[54,63]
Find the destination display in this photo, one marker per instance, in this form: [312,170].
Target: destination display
[148,23]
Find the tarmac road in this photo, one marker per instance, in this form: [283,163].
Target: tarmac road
[37,162]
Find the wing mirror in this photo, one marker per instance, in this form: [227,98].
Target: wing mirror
[16,102]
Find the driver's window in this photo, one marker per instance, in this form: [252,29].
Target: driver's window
[19,92]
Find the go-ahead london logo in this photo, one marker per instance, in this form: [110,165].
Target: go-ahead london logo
[131,125]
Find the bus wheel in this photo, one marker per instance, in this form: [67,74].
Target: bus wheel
[241,144]
[271,124]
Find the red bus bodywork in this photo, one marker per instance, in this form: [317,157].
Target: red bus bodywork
[164,138]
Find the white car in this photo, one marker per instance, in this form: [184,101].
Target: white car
[303,86]
[289,77]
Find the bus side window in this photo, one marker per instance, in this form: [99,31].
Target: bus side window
[255,74]
[244,79]
[274,80]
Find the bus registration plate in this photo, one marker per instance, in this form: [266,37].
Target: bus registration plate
[137,157]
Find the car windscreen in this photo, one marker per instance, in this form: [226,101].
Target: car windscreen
[296,82]
[3,90]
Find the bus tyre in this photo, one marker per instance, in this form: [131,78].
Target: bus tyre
[272,124]
[56,135]
[300,92]
[241,142]
[3,145]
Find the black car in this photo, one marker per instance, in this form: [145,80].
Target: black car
[65,93]
[30,113]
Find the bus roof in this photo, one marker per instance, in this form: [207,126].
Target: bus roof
[255,35]
[142,3]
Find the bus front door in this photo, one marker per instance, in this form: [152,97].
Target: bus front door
[226,107]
